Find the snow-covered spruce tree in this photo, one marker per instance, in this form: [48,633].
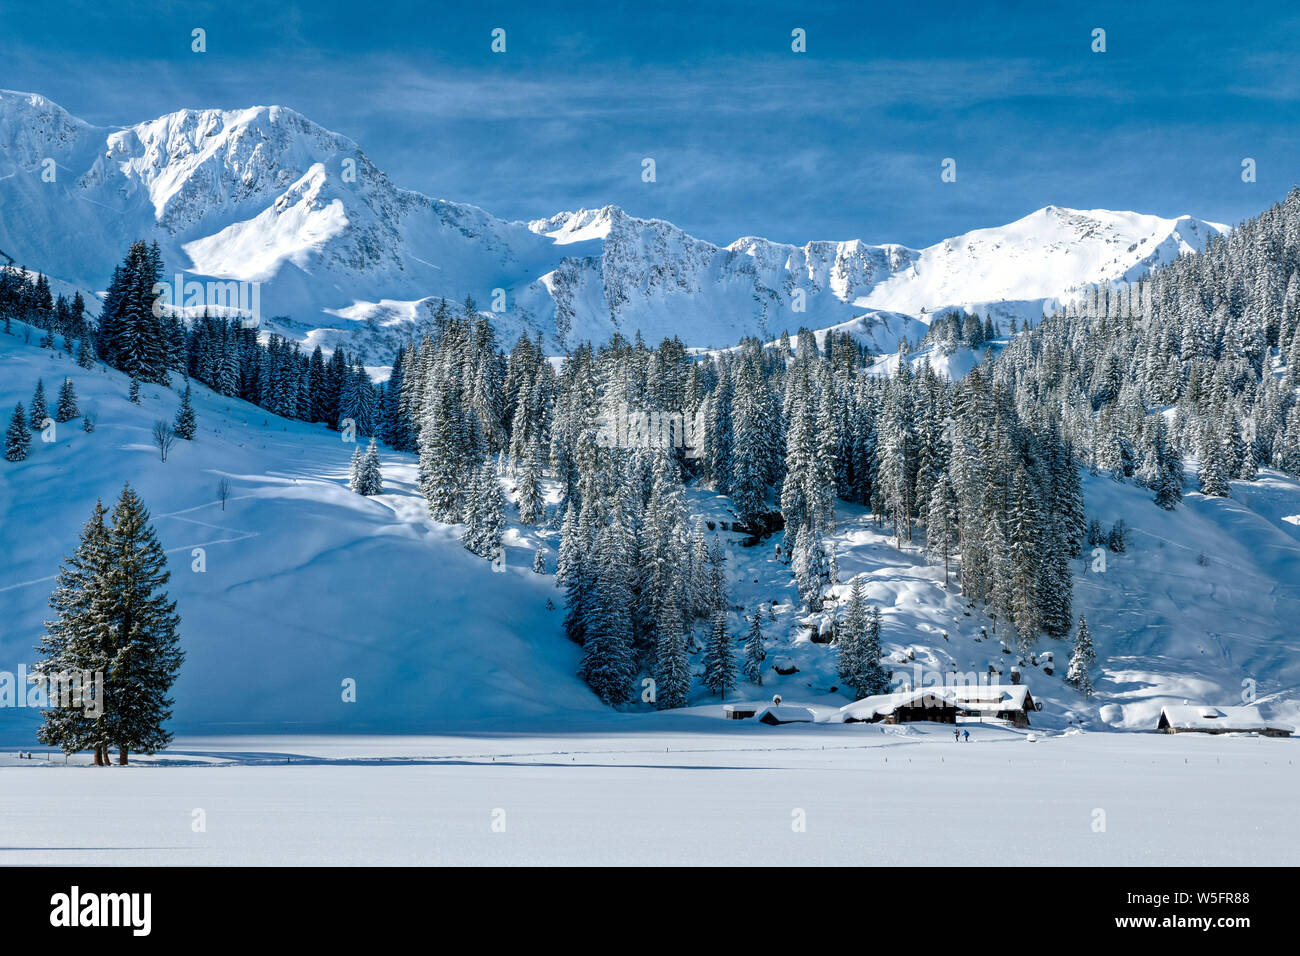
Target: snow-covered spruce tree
[357,400]
[539,561]
[852,631]
[755,650]
[941,524]
[867,676]
[485,522]
[39,412]
[1169,482]
[354,470]
[755,432]
[370,479]
[719,657]
[1081,661]
[140,631]
[444,466]
[1215,468]
[131,338]
[572,547]
[698,574]
[800,455]
[18,438]
[896,458]
[607,662]
[814,568]
[1117,540]
[664,545]
[73,646]
[66,409]
[532,505]
[716,597]
[87,424]
[133,393]
[1024,557]
[673,677]
[187,424]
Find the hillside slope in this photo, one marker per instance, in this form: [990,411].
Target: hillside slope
[306,583]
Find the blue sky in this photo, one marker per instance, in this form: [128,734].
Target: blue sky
[749,138]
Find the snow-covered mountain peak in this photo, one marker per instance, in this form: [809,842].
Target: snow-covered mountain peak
[265,194]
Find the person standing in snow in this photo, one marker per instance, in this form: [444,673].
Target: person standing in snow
[965,736]
[956,735]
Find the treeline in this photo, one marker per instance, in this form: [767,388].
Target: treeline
[225,354]
[958,329]
[1200,360]
[28,299]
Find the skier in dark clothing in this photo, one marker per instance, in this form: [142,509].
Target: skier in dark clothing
[956,735]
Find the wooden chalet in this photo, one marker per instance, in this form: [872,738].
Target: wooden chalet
[1201,719]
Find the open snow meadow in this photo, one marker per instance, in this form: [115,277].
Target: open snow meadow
[660,791]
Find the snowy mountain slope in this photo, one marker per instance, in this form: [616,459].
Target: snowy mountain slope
[1045,256]
[265,195]
[306,583]
[1202,601]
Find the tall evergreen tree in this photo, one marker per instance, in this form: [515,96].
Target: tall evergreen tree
[39,410]
[1081,661]
[719,657]
[755,650]
[18,438]
[187,424]
[73,647]
[67,408]
[484,514]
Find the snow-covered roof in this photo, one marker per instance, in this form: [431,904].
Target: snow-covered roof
[992,697]
[881,704]
[983,698]
[1204,717]
[786,714]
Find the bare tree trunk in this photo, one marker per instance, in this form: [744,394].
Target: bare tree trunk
[121,756]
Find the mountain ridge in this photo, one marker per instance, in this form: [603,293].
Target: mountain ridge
[347,257]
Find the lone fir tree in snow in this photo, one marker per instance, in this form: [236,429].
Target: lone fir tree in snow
[142,632]
[755,652]
[354,471]
[18,438]
[73,645]
[39,411]
[367,478]
[719,658]
[187,424]
[114,618]
[67,408]
[539,561]
[1082,659]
